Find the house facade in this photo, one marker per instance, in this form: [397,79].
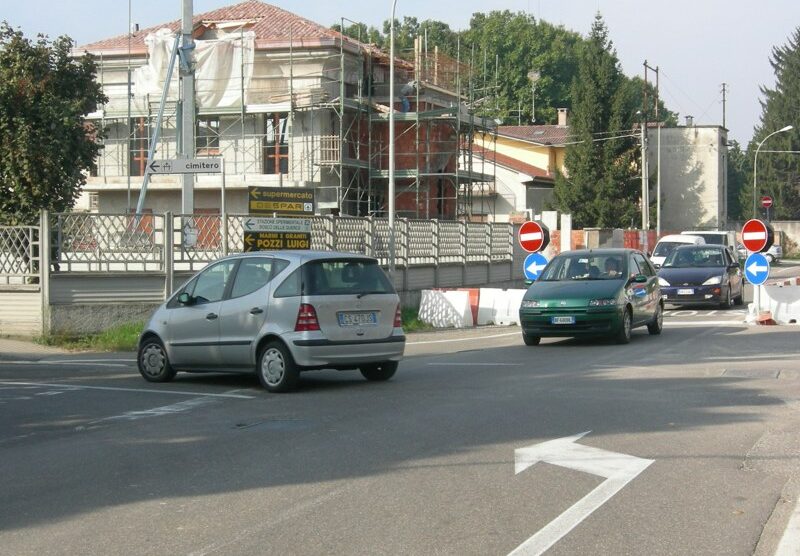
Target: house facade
[287,103]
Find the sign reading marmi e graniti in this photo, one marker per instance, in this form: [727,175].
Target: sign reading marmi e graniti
[285,201]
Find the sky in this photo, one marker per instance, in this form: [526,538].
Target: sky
[697,44]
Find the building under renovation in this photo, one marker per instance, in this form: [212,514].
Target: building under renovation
[288,102]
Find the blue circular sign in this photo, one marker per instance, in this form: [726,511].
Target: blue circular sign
[756,269]
[534,264]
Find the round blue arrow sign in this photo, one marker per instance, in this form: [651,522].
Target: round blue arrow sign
[534,264]
[756,269]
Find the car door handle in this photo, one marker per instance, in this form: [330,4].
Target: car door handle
[211,316]
[256,311]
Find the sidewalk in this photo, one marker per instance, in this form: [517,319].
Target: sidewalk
[26,350]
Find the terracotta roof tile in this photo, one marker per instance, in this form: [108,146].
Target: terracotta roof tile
[539,134]
[272,24]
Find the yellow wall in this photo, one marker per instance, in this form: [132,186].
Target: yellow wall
[544,157]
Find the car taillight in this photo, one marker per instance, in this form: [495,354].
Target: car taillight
[398,318]
[306,319]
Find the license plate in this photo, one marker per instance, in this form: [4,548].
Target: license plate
[358,319]
[688,291]
[562,320]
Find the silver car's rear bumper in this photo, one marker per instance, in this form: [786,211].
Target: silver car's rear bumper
[322,352]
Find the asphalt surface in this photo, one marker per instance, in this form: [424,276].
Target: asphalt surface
[97,461]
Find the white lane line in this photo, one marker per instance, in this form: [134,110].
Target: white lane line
[789,544]
[171,409]
[705,323]
[470,339]
[471,364]
[113,389]
[78,363]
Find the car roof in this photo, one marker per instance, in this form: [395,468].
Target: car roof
[302,255]
[602,251]
[682,238]
[706,246]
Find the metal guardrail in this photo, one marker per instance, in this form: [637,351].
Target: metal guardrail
[155,242]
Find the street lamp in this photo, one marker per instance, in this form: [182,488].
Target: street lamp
[755,163]
[391,144]
[534,76]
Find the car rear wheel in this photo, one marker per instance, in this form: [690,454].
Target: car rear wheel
[153,361]
[379,372]
[655,326]
[770,258]
[624,334]
[531,340]
[276,369]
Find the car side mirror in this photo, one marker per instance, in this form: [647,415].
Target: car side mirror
[185,299]
[640,279]
[656,265]
[528,282]
[735,265]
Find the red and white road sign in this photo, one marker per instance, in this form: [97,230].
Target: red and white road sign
[766,201]
[533,236]
[755,235]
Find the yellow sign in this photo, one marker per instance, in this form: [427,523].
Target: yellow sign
[281,200]
[266,241]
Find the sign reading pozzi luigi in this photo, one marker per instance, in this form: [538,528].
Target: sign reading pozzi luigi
[283,201]
[261,234]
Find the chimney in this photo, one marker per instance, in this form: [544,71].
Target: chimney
[689,121]
[563,117]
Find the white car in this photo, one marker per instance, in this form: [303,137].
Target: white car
[667,244]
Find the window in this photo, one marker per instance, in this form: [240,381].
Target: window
[344,276]
[138,145]
[291,286]
[209,286]
[207,136]
[253,274]
[644,267]
[276,146]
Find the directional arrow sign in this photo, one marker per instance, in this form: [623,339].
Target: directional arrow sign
[534,264]
[185,166]
[618,470]
[756,269]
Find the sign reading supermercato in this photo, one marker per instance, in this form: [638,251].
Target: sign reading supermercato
[286,201]
[262,234]
[185,166]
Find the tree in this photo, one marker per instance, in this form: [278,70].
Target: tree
[740,194]
[601,187]
[46,145]
[779,173]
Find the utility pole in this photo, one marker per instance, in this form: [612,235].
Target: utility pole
[724,99]
[188,103]
[658,156]
[645,169]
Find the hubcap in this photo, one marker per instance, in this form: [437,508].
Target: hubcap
[273,366]
[153,359]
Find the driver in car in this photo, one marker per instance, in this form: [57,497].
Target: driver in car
[612,267]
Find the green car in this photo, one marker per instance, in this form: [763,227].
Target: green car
[594,292]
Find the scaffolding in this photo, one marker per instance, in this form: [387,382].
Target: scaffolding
[319,118]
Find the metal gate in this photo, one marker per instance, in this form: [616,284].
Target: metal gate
[20,280]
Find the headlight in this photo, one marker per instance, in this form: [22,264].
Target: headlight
[602,302]
[713,280]
[530,303]
[662,282]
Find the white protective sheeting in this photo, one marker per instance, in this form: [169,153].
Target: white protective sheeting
[500,307]
[445,309]
[222,66]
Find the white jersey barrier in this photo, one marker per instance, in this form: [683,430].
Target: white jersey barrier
[453,308]
[783,302]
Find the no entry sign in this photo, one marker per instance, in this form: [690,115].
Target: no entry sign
[757,236]
[533,236]
[766,201]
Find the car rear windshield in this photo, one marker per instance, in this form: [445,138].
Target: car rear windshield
[343,277]
[664,248]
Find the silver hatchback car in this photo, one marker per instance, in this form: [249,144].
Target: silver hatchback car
[278,313]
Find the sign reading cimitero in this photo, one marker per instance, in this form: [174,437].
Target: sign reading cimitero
[284,201]
[533,236]
[757,236]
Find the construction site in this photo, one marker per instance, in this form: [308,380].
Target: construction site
[290,103]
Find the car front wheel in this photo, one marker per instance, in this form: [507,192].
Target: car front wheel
[153,361]
[276,369]
[624,334]
[531,340]
[727,302]
[655,326]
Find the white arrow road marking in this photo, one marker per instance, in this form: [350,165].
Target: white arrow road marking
[753,235]
[618,469]
[755,268]
[530,236]
[535,268]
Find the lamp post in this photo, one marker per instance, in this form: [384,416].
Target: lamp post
[391,145]
[534,76]
[755,162]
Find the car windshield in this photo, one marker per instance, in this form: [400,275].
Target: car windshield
[567,267]
[695,257]
[664,248]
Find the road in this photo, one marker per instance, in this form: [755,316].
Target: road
[96,461]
